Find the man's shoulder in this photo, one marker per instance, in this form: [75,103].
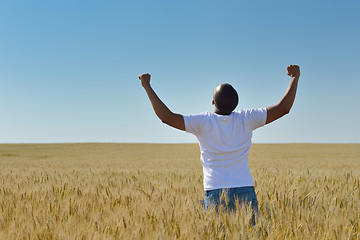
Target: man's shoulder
[250,113]
[254,117]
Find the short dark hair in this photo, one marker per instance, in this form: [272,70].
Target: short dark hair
[225,98]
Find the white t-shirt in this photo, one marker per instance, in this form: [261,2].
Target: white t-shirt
[225,142]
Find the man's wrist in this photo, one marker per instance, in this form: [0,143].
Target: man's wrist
[294,80]
[146,85]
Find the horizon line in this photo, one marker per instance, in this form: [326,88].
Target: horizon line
[3,143]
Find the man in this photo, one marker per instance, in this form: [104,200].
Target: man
[225,138]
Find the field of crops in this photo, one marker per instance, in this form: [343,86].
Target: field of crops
[152,191]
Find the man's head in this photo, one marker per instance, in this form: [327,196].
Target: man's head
[225,99]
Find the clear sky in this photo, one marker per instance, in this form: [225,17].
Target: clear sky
[68,69]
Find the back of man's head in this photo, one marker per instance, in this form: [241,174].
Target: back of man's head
[225,99]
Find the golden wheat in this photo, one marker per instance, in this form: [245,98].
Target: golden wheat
[152,191]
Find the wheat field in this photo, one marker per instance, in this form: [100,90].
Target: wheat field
[152,191]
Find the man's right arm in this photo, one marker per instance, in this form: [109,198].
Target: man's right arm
[161,110]
[283,107]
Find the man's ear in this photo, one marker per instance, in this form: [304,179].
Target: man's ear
[213,102]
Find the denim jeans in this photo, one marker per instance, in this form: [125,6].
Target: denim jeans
[244,195]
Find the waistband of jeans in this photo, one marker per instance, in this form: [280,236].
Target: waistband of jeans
[240,188]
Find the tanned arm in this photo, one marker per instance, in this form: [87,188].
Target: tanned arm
[161,110]
[283,107]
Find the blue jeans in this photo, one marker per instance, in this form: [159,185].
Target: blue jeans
[244,195]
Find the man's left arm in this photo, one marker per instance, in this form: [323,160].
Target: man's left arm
[161,110]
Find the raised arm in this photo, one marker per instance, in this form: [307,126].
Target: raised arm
[283,107]
[160,109]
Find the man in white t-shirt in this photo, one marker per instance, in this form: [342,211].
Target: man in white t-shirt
[225,138]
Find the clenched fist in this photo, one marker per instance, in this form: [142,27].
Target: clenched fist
[145,79]
[293,71]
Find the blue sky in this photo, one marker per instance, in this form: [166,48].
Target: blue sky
[68,69]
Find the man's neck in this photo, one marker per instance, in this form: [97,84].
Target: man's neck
[217,111]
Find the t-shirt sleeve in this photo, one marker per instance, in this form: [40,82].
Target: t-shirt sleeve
[194,123]
[255,118]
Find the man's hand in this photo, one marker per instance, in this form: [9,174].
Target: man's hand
[145,79]
[293,71]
